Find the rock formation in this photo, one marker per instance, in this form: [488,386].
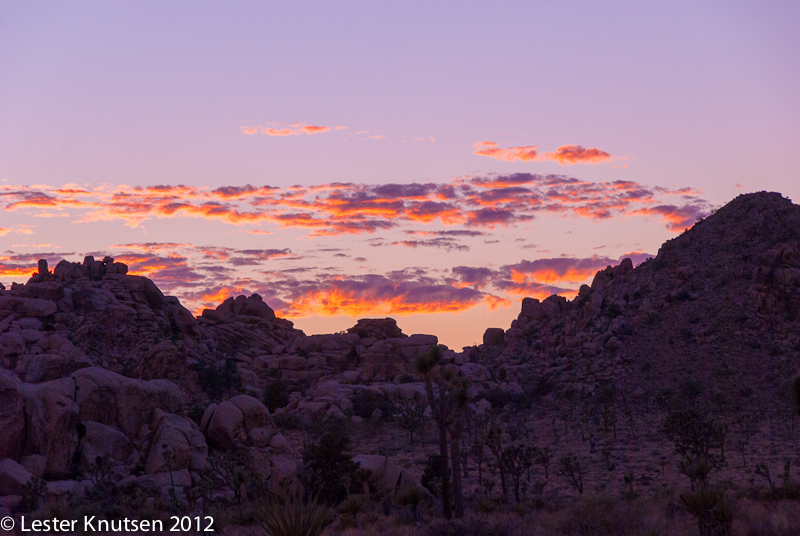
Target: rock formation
[100,367]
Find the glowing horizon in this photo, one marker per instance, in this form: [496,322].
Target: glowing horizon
[433,162]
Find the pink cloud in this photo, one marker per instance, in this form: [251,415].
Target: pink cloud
[280,131]
[575,154]
[511,154]
[313,129]
[347,208]
[283,129]
[564,155]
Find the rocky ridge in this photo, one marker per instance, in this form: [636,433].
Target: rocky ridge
[720,303]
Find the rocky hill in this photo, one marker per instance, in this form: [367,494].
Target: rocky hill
[98,365]
[719,304]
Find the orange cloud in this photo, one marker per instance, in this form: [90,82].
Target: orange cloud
[559,269]
[539,278]
[377,295]
[575,154]
[24,265]
[677,218]
[280,132]
[8,271]
[511,154]
[17,229]
[283,129]
[349,208]
[51,215]
[564,155]
[314,129]
[151,247]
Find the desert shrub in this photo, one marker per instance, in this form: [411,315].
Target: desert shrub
[288,421]
[413,496]
[235,514]
[294,518]
[349,510]
[789,490]
[329,469]
[231,468]
[433,474]
[217,381]
[602,515]
[711,509]
[684,295]
[471,527]
[196,413]
[411,416]
[693,432]
[537,388]
[352,505]
[32,492]
[500,399]
[365,404]
[258,486]
[276,395]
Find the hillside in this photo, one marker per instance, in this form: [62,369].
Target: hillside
[719,304]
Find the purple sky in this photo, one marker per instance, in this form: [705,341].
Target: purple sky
[648,114]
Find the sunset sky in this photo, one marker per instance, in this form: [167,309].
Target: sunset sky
[431,161]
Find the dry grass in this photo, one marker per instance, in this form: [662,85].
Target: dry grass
[590,516]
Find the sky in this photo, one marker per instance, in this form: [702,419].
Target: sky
[431,161]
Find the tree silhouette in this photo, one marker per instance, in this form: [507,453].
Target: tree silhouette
[448,405]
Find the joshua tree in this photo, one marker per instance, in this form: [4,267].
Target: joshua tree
[477,445]
[458,393]
[427,364]
[695,434]
[570,468]
[495,443]
[448,410]
[517,459]
[411,417]
[542,457]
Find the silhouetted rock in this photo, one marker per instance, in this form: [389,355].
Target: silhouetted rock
[377,328]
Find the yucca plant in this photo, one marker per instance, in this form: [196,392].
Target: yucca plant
[294,518]
[711,509]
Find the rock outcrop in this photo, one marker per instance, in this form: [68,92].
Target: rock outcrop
[725,293]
